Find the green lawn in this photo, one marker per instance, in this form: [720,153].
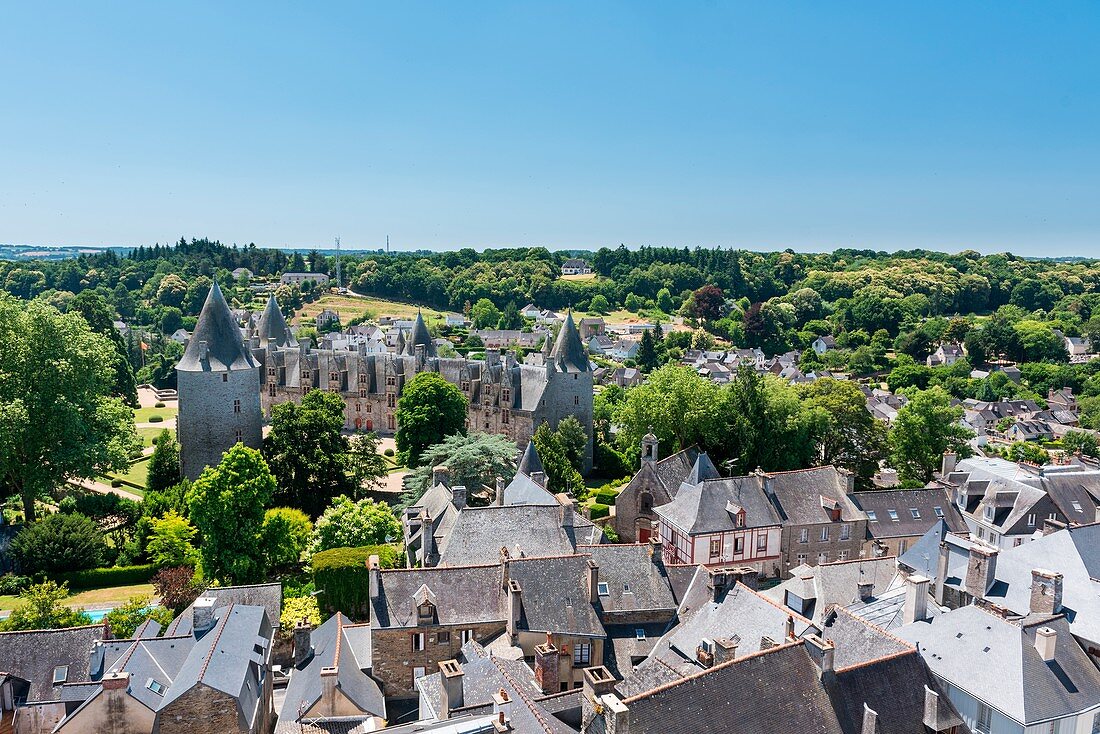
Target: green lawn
[142,415]
[138,473]
[112,595]
[148,434]
[350,307]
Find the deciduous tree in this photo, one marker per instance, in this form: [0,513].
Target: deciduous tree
[429,409]
[926,427]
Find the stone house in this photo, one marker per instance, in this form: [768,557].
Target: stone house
[898,518]
[300,278]
[821,523]
[575,266]
[945,355]
[655,484]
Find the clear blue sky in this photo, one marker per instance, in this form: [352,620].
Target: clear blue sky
[762,125]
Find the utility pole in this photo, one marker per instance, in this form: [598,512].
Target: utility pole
[387,244]
[339,283]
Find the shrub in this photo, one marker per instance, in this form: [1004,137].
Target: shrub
[158,404]
[609,533]
[298,609]
[59,543]
[598,511]
[42,608]
[341,577]
[606,496]
[125,619]
[388,452]
[285,534]
[176,587]
[116,483]
[101,578]
[348,524]
[12,584]
[156,419]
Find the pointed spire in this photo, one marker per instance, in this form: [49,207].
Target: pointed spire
[530,462]
[419,336]
[217,343]
[702,470]
[272,327]
[568,351]
[400,340]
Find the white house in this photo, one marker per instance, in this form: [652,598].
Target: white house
[575,266]
[299,278]
[946,355]
[823,344]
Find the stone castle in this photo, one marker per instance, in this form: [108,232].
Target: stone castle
[230,377]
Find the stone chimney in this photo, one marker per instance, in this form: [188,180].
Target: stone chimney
[981,569]
[849,478]
[374,572]
[865,589]
[498,496]
[450,692]
[329,681]
[788,628]
[870,720]
[547,666]
[655,553]
[427,540]
[1046,592]
[1046,641]
[598,681]
[203,349]
[502,723]
[539,478]
[593,581]
[458,497]
[616,714]
[948,463]
[916,599]
[931,709]
[118,681]
[441,475]
[565,513]
[942,569]
[515,609]
[502,705]
[1051,525]
[303,650]
[725,649]
[821,651]
[202,613]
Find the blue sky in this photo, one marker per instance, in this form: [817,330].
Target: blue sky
[570,125]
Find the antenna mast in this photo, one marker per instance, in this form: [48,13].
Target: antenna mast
[339,283]
[387,244]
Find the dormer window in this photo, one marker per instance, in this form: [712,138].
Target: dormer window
[872,516]
[938,511]
[602,588]
[915,513]
[639,634]
[425,613]
[989,512]
[60,674]
[156,687]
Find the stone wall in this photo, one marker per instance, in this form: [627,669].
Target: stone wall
[814,547]
[394,661]
[208,423]
[201,710]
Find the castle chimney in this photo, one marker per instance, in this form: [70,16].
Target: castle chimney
[499,494]
[1046,592]
[948,463]
[931,709]
[547,666]
[117,681]
[980,570]
[450,692]
[374,571]
[1046,641]
[916,599]
[329,681]
[441,475]
[202,613]
[458,497]
[427,540]
[303,650]
[789,628]
[725,649]
[870,720]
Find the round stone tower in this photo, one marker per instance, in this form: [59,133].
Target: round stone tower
[219,390]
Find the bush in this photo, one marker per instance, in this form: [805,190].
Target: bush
[176,587]
[59,543]
[388,452]
[12,584]
[159,404]
[125,619]
[156,419]
[341,577]
[100,578]
[298,609]
[598,511]
[606,496]
[116,483]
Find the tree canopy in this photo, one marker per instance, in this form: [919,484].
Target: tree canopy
[925,428]
[429,409]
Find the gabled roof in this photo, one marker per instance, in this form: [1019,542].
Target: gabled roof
[216,343]
[704,507]
[914,511]
[555,595]
[464,594]
[634,575]
[568,351]
[268,596]
[801,495]
[829,585]
[702,470]
[479,533]
[32,655]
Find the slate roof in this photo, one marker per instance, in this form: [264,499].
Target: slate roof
[568,351]
[159,659]
[703,507]
[634,581]
[32,656]
[555,595]
[530,463]
[858,641]
[481,678]
[523,490]
[752,694]
[216,327]
[333,647]
[419,336]
[931,504]
[799,495]
[964,645]
[922,558]
[479,533]
[463,595]
[835,584]
[268,596]
[272,328]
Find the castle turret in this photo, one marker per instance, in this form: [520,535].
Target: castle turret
[529,463]
[419,337]
[568,353]
[272,328]
[569,377]
[219,389]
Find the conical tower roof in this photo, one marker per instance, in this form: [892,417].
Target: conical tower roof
[419,336]
[530,462]
[217,344]
[272,328]
[703,469]
[568,351]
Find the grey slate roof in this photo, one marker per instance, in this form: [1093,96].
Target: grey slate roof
[568,349]
[835,584]
[964,645]
[481,678]
[800,493]
[523,490]
[702,508]
[858,641]
[903,502]
[479,533]
[419,336]
[701,470]
[32,656]
[463,594]
[634,581]
[922,558]
[159,659]
[331,643]
[268,596]
[555,595]
[219,331]
[272,327]
[530,463]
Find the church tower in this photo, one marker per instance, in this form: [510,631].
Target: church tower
[218,381]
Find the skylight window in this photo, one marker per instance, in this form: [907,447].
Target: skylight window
[872,516]
[602,589]
[938,511]
[639,634]
[1077,506]
[893,515]
[60,674]
[915,513]
[156,687]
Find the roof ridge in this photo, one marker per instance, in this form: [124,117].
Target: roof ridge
[339,640]
[855,560]
[214,643]
[721,666]
[544,558]
[442,568]
[776,604]
[882,659]
[523,696]
[798,471]
[55,629]
[874,626]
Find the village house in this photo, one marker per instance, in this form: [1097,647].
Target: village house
[655,484]
[945,355]
[575,266]
[300,278]
[897,518]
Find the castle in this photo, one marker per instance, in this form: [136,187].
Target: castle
[263,365]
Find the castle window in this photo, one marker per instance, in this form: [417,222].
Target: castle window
[391,381]
[333,376]
[240,435]
[576,400]
[362,378]
[391,400]
[465,386]
[582,654]
[271,389]
[225,377]
[505,395]
[505,416]
[236,406]
[417,641]
[391,422]
[305,374]
[370,408]
[271,372]
[358,407]
[362,392]
[444,637]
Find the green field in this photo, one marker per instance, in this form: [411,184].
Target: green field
[148,434]
[112,595]
[142,415]
[352,307]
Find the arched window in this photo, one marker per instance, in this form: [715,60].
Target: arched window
[645,502]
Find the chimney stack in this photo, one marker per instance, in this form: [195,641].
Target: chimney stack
[502,707]
[498,497]
[515,609]
[374,571]
[866,590]
[1051,525]
[1046,592]
[655,553]
[821,651]
[948,463]
[450,692]
[566,510]
[441,475]
[931,709]
[593,581]
[202,613]
[458,497]
[916,599]
[725,649]
[942,569]
[303,650]
[870,720]
[981,569]
[117,681]
[329,681]
[547,666]
[1046,640]
[539,478]
[788,628]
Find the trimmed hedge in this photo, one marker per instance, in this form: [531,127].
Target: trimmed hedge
[606,496]
[101,578]
[156,419]
[598,511]
[342,578]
